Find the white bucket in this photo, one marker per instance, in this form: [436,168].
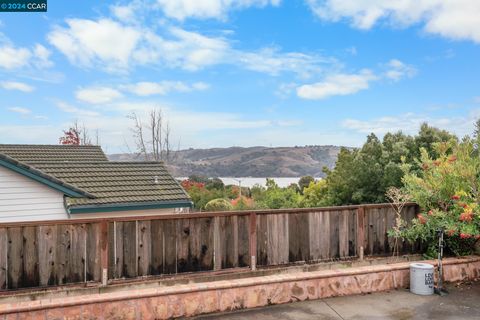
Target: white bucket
[421,278]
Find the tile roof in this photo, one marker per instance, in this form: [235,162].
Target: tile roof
[117,182]
[101,183]
[30,153]
[42,177]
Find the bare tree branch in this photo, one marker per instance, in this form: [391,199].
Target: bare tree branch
[152,140]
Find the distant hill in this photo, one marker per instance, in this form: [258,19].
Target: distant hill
[249,162]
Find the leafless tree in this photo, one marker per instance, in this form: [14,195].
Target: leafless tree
[152,140]
[398,199]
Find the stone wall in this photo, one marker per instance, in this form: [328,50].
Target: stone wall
[221,296]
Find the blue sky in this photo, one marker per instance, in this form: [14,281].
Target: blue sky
[240,72]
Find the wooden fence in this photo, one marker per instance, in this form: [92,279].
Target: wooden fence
[52,253]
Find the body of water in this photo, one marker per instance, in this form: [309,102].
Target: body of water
[250,182]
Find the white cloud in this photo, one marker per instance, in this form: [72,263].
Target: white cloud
[13,57]
[97,95]
[117,47]
[181,9]
[42,56]
[410,123]
[398,70]
[272,61]
[453,19]
[124,12]
[20,110]
[163,87]
[185,49]
[65,107]
[338,84]
[14,85]
[88,43]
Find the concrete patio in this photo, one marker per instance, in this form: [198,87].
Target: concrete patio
[461,303]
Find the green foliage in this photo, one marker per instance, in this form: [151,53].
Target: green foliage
[201,196]
[364,175]
[304,182]
[214,183]
[448,191]
[275,197]
[218,205]
[314,195]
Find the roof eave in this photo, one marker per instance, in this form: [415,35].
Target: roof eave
[129,206]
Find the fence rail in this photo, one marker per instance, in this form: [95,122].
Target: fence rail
[52,253]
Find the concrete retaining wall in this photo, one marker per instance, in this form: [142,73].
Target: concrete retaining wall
[221,296]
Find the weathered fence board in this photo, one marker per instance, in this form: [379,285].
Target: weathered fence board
[3,258]
[64,252]
[156,247]
[299,237]
[243,241]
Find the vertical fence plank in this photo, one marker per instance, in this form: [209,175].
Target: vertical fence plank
[3,258]
[157,247]
[15,257]
[118,250]
[30,258]
[205,247]
[244,256]
[253,240]
[389,222]
[334,234]
[170,246]
[184,254]
[77,271]
[103,247]
[129,249]
[361,230]
[62,254]
[47,243]
[94,266]
[299,237]
[111,250]
[144,248]
[230,247]
[314,235]
[325,239]
[343,233]
[219,246]
[261,233]
[352,233]
[273,231]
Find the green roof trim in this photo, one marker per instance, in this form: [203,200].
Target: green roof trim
[38,176]
[129,206]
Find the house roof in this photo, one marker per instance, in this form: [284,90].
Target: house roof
[100,185]
[117,183]
[42,177]
[31,153]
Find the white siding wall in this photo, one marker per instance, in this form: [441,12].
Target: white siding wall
[24,199]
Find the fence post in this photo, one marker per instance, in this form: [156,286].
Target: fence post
[217,245]
[360,231]
[252,238]
[104,251]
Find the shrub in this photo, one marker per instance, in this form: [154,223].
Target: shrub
[218,205]
[448,193]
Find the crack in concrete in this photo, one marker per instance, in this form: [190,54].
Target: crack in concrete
[338,314]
